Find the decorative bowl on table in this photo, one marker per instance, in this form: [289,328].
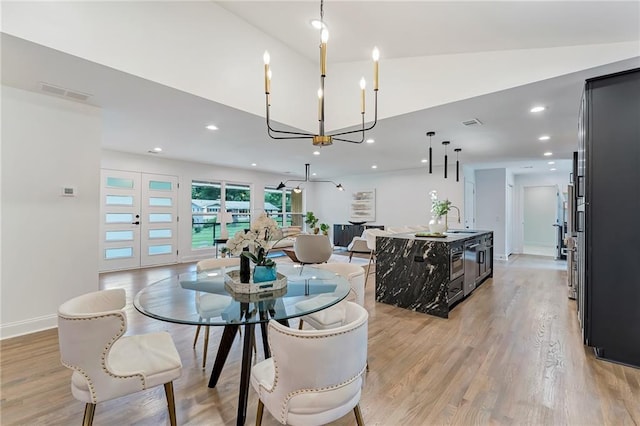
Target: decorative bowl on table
[256,297]
[232,281]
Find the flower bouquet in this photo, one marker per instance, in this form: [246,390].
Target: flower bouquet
[257,241]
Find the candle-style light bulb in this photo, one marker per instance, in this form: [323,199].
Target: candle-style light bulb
[376,57]
[324,36]
[363,84]
[267,72]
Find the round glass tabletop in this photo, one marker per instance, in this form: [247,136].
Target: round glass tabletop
[205,299]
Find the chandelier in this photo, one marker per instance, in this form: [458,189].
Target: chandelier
[298,190]
[322,139]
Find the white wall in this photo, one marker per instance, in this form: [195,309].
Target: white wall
[491,210]
[402,198]
[186,173]
[49,241]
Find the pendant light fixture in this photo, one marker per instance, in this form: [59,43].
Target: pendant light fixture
[430,134]
[321,138]
[446,165]
[457,150]
[298,190]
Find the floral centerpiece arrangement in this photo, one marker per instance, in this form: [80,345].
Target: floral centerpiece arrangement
[257,240]
[439,209]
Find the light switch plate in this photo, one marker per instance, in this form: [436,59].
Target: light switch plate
[68,191]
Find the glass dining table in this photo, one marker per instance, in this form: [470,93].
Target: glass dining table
[204,298]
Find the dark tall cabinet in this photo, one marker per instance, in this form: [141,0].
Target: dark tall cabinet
[607,186]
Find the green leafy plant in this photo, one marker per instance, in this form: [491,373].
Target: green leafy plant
[311,220]
[324,228]
[438,207]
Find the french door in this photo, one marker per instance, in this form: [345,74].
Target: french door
[138,220]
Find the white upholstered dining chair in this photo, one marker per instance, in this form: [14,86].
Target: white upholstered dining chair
[313,376]
[211,305]
[106,363]
[334,316]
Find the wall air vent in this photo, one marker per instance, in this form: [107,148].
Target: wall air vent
[472,122]
[61,91]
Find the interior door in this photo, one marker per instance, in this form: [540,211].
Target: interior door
[119,220]
[138,225]
[159,225]
[469,205]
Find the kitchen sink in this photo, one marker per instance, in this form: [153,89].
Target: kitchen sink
[460,231]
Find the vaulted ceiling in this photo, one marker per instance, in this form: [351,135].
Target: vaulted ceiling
[161,71]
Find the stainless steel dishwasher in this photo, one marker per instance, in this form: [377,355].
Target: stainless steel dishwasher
[471,265]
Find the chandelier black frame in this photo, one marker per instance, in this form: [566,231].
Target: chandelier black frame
[307,167]
[323,139]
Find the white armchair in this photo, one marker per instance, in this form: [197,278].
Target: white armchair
[312,248]
[358,245]
[107,364]
[334,316]
[313,376]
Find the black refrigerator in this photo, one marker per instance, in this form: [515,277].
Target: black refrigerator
[607,189]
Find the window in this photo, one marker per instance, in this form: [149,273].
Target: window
[218,209]
[238,206]
[284,206]
[205,205]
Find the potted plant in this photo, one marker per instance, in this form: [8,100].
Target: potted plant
[224,251]
[439,210]
[312,221]
[324,228]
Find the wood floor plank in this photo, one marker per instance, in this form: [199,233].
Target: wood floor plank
[509,354]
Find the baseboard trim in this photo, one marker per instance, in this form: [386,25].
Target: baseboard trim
[20,328]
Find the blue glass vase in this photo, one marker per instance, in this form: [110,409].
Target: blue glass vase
[264,273]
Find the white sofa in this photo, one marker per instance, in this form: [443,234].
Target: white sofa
[285,238]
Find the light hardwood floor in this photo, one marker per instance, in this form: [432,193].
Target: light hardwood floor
[510,354]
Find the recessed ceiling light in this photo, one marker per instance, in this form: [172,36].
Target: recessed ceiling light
[544,138]
[424,160]
[253,164]
[157,149]
[316,152]
[374,166]
[370,140]
[551,162]
[553,169]
[537,109]
[212,127]
[548,153]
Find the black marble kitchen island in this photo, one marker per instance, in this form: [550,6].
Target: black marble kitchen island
[414,272]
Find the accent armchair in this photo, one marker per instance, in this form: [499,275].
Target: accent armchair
[313,376]
[106,363]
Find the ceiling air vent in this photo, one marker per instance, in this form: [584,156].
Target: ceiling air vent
[472,122]
[61,91]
